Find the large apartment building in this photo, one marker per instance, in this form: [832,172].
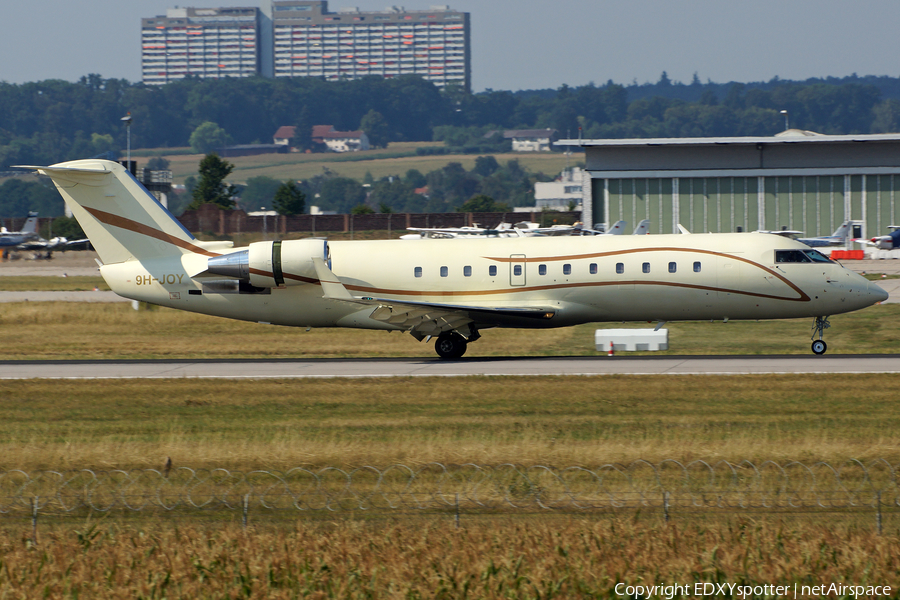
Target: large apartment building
[348,44]
[205,42]
[301,38]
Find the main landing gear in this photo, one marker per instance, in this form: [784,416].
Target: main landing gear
[450,345]
[819,346]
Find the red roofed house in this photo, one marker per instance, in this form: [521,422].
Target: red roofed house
[284,135]
[336,141]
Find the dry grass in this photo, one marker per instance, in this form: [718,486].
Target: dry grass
[558,421]
[534,558]
[32,330]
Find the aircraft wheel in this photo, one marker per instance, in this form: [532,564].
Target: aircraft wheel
[450,345]
[819,347]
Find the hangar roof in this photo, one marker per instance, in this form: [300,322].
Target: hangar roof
[795,153]
[799,138]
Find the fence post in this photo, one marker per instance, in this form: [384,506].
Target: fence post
[246,509]
[666,506]
[34,515]
[878,511]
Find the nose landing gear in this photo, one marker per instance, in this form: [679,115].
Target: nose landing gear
[819,346]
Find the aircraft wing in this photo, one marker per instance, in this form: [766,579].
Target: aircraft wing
[423,319]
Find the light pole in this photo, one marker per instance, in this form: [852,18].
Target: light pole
[127,120]
[265,225]
[786,122]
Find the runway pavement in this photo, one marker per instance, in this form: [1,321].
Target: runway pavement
[417,367]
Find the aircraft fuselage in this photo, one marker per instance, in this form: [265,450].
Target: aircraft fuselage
[582,279]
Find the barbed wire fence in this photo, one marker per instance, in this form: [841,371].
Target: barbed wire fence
[669,488]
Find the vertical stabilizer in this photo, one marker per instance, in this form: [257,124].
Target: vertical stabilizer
[31,223]
[121,218]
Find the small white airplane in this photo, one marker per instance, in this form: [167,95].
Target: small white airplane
[520,229]
[885,242]
[11,239]
[838,238]
[643,228]
[29,239]
[421,288]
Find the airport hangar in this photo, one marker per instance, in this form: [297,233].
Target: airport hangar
[796,180]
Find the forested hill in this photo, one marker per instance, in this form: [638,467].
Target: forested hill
[53,120]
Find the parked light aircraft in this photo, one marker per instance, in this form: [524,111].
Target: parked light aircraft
[885,242]
[838,238]
[29,239]
[421,288]
[521,229]
[643,228]
[9,239]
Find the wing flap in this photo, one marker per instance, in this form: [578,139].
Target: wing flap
[422,319]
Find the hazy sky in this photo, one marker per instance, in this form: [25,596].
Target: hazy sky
[521,44]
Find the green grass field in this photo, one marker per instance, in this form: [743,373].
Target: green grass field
[396,159]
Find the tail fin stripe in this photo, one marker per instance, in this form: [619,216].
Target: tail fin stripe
[130,225]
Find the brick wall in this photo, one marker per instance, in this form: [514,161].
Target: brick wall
[211,219]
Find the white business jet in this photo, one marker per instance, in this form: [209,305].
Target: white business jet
[452,292]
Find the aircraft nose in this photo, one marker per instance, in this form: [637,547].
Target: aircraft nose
[877,293]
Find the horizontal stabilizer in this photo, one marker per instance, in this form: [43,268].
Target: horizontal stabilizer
[122,219]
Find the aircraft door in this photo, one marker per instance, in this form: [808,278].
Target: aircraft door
[728,276]
[517,269]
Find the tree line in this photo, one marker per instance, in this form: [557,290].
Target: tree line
[488,187]
[53,120]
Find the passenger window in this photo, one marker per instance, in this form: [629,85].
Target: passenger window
[444,271]
[672,267]
[593,268]
[646,267]
[467,271]
[418,271]
[567,269]
[620,268]
[517,270]
[542,269]
[492,270]
[697,267]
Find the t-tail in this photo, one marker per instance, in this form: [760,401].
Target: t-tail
[121,218]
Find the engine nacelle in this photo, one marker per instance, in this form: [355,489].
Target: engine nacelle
[272,264]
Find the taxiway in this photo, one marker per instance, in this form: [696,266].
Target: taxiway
[418,367]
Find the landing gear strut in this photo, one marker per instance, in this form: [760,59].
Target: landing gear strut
[819,346]
[450,345]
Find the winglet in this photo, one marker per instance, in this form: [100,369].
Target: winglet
[331,285]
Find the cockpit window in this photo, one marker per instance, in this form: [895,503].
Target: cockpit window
[817,256]
[800,256]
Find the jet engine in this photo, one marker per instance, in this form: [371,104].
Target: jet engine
[272,264]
